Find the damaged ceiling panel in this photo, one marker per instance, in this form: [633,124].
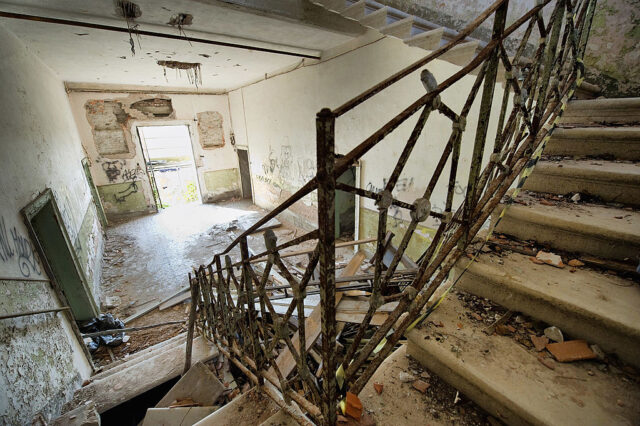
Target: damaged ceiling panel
[93,56]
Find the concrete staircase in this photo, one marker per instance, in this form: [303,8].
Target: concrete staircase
[595,154]
[414,31]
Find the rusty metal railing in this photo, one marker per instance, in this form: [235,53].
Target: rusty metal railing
[235,298]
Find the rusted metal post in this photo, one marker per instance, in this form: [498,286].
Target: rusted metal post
[325,150]
[252,316]
[485,112]
[194,286]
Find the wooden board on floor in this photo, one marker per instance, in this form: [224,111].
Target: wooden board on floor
[129,382]
[285,361]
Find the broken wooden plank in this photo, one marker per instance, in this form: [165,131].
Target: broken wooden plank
[271,224]
[127,383]
[285,361]
[310,250]
[175,300]
[154,306]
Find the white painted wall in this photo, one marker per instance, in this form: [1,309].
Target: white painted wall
[186,107]
[278,119]
[41,362]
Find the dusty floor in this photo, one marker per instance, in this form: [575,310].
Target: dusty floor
[148,258]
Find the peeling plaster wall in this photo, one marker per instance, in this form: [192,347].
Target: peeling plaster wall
[278,121]
[41,361]
[120,176]
[612,57]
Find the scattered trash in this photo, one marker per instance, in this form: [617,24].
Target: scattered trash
[554,333]
[539,342]
[457,398]
[575,263]
[406,377]
[100,323]
[421,385]
[575,197]
[550,259]
[378,387]
[571,350]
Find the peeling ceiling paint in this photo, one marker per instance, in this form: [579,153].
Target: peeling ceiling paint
[91,56]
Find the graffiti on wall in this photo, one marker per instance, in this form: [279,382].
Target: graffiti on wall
[112,169]
[118,172]
[14,247]
[283,169]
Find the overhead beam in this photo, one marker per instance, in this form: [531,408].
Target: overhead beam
[21,16]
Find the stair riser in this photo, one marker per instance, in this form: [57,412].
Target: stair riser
[473,389]
[572,320]
[621,150]
[568,240]
[604,114]
[607,190]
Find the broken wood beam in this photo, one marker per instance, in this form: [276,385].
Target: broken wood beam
[285,361]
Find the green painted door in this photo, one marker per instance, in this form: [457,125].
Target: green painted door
[61,260]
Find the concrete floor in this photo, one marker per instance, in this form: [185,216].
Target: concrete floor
[148,258]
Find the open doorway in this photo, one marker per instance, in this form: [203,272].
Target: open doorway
[345,202]
[170,163]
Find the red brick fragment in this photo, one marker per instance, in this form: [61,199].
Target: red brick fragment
[354,406]
[421,385]
[571,350]
[540,342]
[378,387]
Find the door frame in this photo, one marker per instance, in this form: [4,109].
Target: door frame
[246,149]
[28,213]
[193,139]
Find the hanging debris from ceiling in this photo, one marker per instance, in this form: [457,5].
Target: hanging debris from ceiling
[192,69]
[179,21]
[130,12]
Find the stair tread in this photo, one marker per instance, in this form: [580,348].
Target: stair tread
[589,105]
[511,383]
[591,168]
[612,299]
[583,218]
[624,133]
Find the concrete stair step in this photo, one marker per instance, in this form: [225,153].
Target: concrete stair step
[356,10]
[622,143]
[461,54]
[400,29]
[281,418]
[602,111]
[585,304]
[587,91]
[510,383]
[428,40]
[605,232]
[249,409]
[608,180]
[376,19]
[335,5]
